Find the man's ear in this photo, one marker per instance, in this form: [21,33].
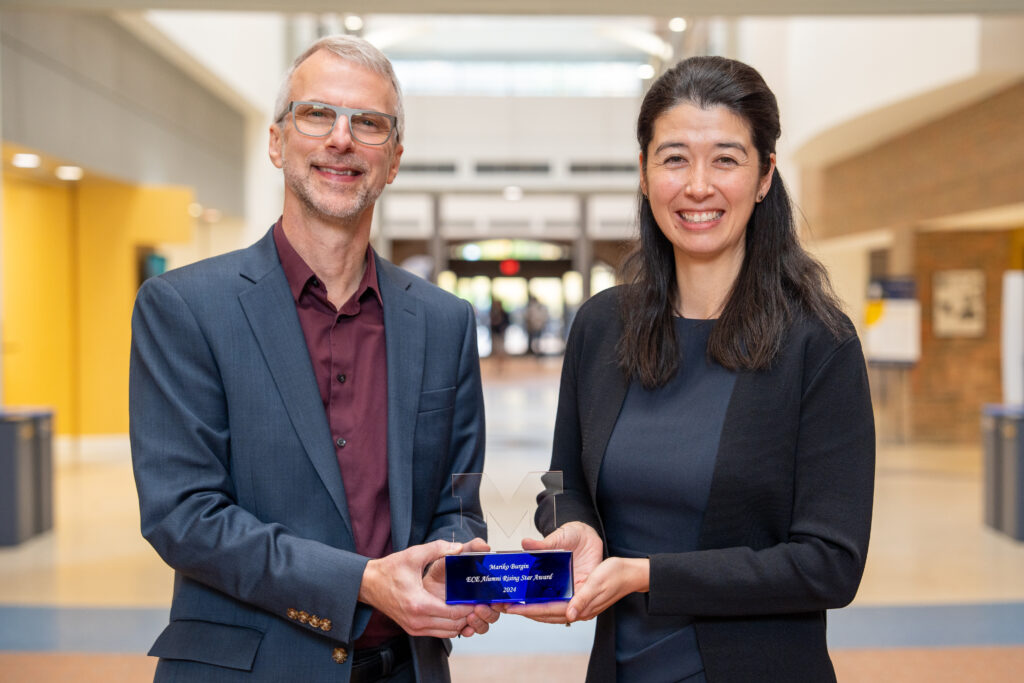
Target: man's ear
[276,148]
[395,161]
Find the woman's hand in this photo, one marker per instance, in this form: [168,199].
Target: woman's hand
[610,581]
[587,551]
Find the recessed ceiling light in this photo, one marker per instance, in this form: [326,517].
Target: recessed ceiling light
[69,172]
[677,25]
[25,160]
[645,71]
[513,193]
[354,22]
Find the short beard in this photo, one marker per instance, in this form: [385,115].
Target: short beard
[345,208]
[364,198]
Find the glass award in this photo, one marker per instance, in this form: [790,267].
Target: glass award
[508,573]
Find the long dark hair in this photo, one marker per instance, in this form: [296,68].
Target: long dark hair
[777,278]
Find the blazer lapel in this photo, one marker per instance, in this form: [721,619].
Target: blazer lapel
[404,333]
[605,398]
[270,310]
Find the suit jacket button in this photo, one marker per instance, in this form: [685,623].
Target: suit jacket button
[304,617]
[293,613]
[314,621]
[325,625]
[340,655]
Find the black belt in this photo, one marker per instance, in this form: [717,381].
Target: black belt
[374,663]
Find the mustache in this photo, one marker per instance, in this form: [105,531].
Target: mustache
[347,160]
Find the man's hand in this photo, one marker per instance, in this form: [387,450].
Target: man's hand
[396,586]
[587,551]
[482,616]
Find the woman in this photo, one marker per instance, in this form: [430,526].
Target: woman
[714,424]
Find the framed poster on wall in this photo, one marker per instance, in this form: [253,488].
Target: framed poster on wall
[958,303]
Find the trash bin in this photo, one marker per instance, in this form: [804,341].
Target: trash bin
[1012,472]
[42,465]
[17,479]
[43,447]
[992,473]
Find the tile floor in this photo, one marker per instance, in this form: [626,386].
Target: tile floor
[938,582]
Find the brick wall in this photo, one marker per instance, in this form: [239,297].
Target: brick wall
[970,160]
[956,375]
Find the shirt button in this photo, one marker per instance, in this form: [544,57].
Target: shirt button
[341,442]
[341,378]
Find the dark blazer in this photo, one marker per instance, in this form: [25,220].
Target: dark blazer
[239,487]
[785,533]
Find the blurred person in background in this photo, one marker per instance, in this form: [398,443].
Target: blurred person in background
[535,318]
[714,422]
[499,322]
[297,410]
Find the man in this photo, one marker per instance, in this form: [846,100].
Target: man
[297,411]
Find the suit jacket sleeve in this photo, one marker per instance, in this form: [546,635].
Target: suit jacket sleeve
[181,450]
[819,563]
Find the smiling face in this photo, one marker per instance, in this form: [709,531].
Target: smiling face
[334,177]
[702,176]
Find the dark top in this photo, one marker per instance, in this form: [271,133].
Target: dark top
[785,533]
[652,492]
[346,347]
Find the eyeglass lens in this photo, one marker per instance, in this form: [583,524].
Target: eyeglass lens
[318,120]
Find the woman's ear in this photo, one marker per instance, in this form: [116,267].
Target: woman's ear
[766,179]
[643,175]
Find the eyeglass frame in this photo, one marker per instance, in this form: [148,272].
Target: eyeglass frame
[340,112]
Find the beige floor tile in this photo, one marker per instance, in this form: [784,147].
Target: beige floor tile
[929,543]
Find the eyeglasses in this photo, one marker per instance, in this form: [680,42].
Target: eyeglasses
[317,120]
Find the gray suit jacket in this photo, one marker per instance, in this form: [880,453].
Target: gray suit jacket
[239,487]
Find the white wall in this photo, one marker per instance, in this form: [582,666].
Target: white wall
[245,51]
[848,83]
[558,130]
[81,88]
[843,83]
[244,56]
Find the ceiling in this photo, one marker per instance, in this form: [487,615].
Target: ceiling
[661,8]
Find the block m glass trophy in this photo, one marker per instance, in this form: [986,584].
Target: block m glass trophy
[508,574]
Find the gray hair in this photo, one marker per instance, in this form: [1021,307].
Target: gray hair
[352,49]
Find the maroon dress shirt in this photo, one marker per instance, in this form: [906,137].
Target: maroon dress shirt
[346,346]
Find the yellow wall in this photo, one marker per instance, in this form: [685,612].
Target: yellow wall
[38,302]
[96,227]
[115,219]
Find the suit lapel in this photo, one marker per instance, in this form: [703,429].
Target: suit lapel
[270,310]
[404,333]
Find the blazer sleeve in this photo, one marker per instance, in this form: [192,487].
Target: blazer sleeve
[820,562]
[181,448]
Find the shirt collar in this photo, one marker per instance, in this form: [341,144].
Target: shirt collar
[300,275]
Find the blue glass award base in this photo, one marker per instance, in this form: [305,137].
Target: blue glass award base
[522,576]
[516,576]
